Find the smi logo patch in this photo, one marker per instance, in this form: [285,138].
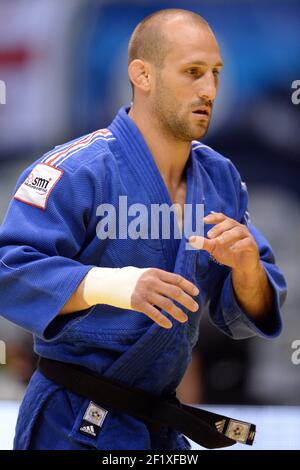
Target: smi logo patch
[37,187]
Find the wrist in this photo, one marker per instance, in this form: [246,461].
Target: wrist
[111,286]
[249,275]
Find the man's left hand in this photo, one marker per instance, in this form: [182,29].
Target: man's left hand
[230,243]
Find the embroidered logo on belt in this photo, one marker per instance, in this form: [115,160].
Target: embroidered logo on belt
[92,420]
[238,430]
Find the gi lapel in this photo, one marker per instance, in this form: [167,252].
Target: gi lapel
[131,146]
[152,345]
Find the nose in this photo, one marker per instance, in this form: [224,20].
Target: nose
[207,86]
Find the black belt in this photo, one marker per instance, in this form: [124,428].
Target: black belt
[208,429]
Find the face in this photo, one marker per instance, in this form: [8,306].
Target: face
[186,85]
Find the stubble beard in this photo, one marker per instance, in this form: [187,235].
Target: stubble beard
[172,121]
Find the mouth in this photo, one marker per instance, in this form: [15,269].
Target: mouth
[202,113]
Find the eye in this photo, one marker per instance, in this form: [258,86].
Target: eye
[193,71]
[216,72]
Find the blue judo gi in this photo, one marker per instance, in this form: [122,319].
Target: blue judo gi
[48,243]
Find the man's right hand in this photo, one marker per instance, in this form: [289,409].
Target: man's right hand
[157,289]
[146,290]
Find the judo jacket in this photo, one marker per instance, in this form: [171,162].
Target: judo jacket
[49,240]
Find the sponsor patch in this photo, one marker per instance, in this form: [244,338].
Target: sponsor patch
[95,414]
[92,420]
[238,430]
[37,187]
[89,429]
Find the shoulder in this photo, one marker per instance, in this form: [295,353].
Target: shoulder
[81,152]
[72,168]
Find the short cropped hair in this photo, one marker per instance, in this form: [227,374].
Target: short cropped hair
[148,41]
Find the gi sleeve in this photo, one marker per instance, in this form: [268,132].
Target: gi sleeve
[40,239]
[225,311]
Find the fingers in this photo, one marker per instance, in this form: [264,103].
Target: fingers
[209,244]
[156,288]
[221,227]
[226,232]
[176,293]
[215,218]
[231,236]
[179,281]
[227,238]
[168,306]
[155,315]
[202,243]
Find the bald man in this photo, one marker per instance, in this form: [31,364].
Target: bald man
[114,301]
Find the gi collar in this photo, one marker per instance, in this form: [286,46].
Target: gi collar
[132,148]
[139,157]
[141,162]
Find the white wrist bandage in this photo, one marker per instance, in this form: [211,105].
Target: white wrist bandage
[111,286]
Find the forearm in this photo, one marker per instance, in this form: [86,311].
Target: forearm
[76,303]
[253,292]
[138,289]
[110,286]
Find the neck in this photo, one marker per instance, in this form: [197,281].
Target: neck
[170,154]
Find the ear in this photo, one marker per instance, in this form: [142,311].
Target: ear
[139,74]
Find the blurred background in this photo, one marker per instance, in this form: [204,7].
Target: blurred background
[64,65]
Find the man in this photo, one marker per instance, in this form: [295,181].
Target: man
[60,277]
